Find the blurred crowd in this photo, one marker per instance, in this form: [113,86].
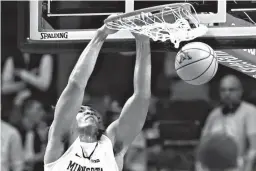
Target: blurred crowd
[176,117]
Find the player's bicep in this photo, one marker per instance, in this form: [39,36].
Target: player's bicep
[131,121]
[111,131]
[54,148]
[66,109]
[119,148]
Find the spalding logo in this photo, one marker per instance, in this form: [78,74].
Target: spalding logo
[62,35]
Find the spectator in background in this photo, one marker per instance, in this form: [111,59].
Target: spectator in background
[152,135]
[136,156]
[26,75]
[113,109]
[235,118]
[178,98]
[33,129]
[11,85]
[11,148]
[218,152]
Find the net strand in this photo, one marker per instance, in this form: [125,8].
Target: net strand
[184,27]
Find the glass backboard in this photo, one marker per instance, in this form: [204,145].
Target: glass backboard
[59,26]
[77,20]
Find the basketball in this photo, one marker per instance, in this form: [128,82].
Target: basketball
[196,63]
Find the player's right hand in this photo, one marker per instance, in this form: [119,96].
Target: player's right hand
[107,30]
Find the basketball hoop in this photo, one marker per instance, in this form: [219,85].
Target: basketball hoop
[175,22]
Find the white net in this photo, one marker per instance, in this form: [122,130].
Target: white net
[172,22]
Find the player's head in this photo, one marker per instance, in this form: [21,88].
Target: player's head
[88,120]
[230,90]
[218,152]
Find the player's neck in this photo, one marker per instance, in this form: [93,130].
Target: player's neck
[88,138]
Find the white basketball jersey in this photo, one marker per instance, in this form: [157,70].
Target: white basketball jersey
[102,159]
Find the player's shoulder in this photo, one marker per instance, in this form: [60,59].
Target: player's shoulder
[105,139]
[118,148]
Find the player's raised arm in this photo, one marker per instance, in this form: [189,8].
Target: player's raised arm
[133,115]
[71,98]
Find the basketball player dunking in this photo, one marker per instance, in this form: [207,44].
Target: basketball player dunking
[93,151]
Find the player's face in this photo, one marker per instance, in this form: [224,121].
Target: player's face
[230,92]
[87,117]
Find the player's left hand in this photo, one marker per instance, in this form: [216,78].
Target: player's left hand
[140,37]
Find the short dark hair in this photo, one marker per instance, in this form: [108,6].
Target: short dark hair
[218,151]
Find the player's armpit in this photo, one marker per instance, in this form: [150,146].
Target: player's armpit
[55,146]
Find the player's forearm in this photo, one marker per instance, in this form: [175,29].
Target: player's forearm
[142,72]
[87,60]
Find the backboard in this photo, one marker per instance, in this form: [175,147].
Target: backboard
[67,26]
[231,23]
